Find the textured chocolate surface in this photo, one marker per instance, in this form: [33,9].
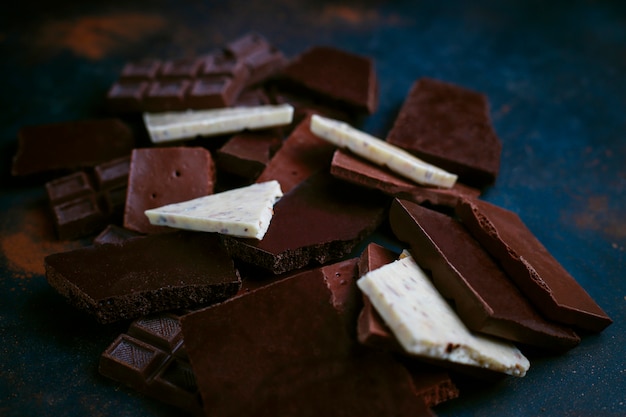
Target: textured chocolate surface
[144,275]
[290,343]
[321,220]
[483,295]
[450,127]
[531,266]
[70,145]
[160,176]
[349,167]
[335,75]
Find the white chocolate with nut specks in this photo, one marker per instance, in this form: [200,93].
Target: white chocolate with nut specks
[241,212]
[426,325]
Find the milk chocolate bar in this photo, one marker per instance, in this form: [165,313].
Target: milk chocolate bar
[150,358]
[530,265]
[321,220]
[483,295]
[247,154]
[84,202]
[338,77]
[69,146]
[304,360]
[351,168]
[160,176]
[450,127]
[144,275]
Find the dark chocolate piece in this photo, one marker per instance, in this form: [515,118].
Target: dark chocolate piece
[160,176]
[450,127]
[334,75]
[301,155]
[144,275]
[262,59]
[247,154]
[84,202]
[322,220]
[530,265]
[350,167]
[483,295]
[70,145]
[114,234]
[304,360]
[150,358]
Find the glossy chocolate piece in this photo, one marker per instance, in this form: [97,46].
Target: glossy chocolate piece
[84,202]
[301,155]
[247,154]
[304,360]
[144,275]
[552,290]
[450,127]
[150,358]
[335,76]
[321,220]
[160,176]
[70,145]
[352,168]
[484,296]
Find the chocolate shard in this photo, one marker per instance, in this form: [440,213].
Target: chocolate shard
[144,275]
[449,126]
[247,154]
[305,360]
[352,168]
[484,296]
[161,176]
[333,75]
[70,145]
[531,266]
[321,220]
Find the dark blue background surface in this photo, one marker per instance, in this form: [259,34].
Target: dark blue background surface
[554,75]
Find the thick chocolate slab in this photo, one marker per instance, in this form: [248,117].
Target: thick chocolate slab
[291,344]
[531,266]
[70,145]
[247,154]
[334,75]
[301,155]
[352,168]
[450,127]
[321,220]
[144,275]
[150,358]
[485,298]
[160,176]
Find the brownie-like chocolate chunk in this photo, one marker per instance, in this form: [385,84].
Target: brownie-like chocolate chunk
[334,75]
[321,220]
[160,176]
[450,127]
[349,167]
[71,145]
[288,349]
[531,266]
[144,275]
[483,295]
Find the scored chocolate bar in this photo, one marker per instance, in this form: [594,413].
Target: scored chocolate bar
[144,275]
[484,296]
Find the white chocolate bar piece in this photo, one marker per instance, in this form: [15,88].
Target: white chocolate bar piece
[381,153]
[426,325]
[242,212]
[174,126]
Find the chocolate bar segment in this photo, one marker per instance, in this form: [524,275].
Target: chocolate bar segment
[450,127]
[144,275]
[321,220]
[305,360]
[247,154]
[530,265]
[70,145]
[483,295]
[160,176]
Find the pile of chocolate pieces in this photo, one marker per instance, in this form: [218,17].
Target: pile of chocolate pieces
[311,316]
